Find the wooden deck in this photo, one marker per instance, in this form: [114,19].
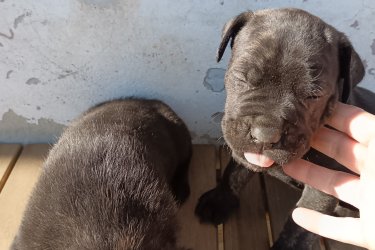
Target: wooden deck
[264,204]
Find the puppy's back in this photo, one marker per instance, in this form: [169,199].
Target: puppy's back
[105,184]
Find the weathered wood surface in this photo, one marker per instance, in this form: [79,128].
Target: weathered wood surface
[16,191]
[247,229]
[264,204]
[202,177]
[8,156]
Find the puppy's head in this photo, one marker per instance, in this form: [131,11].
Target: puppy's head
[288,69]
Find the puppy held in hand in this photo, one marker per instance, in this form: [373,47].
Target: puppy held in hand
[114,180]
[287,71]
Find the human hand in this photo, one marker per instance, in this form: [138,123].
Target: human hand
[353,147]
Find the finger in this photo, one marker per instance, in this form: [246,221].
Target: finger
[368,203]
[340,147]
[369,165]
[346,230]
[342,185]
[354,122]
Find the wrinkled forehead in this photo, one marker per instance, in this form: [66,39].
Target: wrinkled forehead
[293,32]
[301,24]
[294,51]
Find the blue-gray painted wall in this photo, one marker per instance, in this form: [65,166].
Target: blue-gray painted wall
[58,58]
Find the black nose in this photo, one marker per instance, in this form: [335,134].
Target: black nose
[266,134]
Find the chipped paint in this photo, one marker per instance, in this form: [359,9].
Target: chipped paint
[20,19]
[32,81]
[355,24]
[16,128]
[214,79]
[8,74]
[100,3]
[66,74]
[206,138]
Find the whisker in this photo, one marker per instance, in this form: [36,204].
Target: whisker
[220,138]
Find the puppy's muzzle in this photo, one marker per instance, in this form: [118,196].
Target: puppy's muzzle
[265,134]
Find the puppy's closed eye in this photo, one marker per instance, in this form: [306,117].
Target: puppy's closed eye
[313,97]
[314,91]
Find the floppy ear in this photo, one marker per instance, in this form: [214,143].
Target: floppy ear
[230,30]
[351,67]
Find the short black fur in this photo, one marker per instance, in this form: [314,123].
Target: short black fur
[113,181]
[287,72]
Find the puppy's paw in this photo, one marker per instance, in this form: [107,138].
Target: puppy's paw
[216,205]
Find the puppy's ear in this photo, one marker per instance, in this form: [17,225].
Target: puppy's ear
[230,30]
[351,67]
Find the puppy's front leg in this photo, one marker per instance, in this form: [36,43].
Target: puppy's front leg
[216,205]
[295,237]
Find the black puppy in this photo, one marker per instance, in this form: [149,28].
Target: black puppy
[287,71]
[113,181]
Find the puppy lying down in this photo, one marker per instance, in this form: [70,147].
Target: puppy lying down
[113,181]
[287,72]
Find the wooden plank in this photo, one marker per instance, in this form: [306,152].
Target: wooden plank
[202,177]
[15,194]
[247,228]
[8,156]
[281,199]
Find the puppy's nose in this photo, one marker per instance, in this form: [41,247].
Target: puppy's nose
[265,134]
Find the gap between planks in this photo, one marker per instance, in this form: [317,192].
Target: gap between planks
[247,228]
[9,154]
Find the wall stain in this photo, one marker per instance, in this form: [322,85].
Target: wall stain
[205,138]
[193,134]
[32,81]
[373,47]
[371,71]
[66,74]
[10,37]
[16,129]
[214,79]
[208,139]
[365,63]
[20,19]
[8,74]
[100,3]
[355,24]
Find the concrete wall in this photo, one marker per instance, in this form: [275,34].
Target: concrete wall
[57,58]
